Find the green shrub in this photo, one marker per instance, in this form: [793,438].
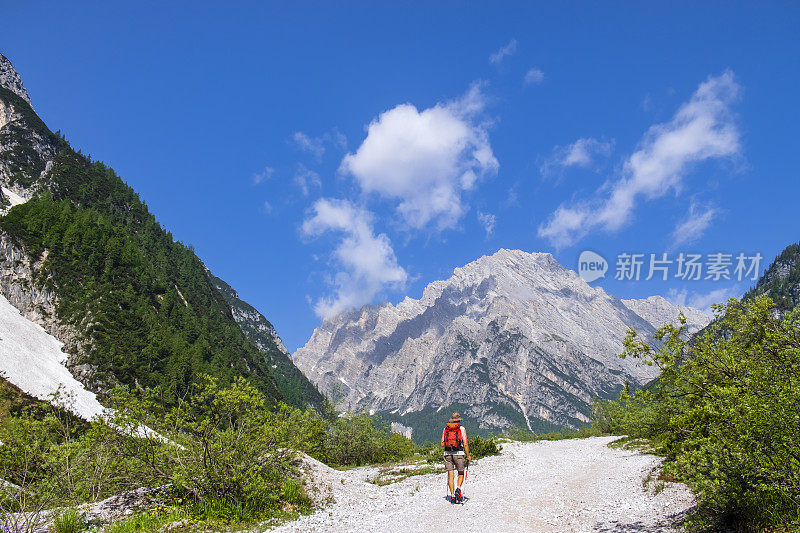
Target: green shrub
[726,412]
[359,439]
[524,435]
[226,453]
[220,448]
[483,447]
[69,521]
[479,447]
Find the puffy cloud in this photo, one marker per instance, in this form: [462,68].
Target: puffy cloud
[582,153]
[367,263]
[425,159]
[694,225]
[306,178]
[488,222]
[507,50]
[534,76]
[703,128]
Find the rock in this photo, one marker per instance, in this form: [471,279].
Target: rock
[515,338]
[11,80]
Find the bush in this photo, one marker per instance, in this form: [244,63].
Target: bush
[483,447]
[219,448]
[524,435]
[725,411]
[226,453]
[358,439]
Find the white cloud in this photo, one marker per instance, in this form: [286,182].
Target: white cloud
[267,207]
[425,159]
[488,222]
[306,178]
[337,138]
[507,50]
[312,145]
[316,145]
[367,261]
[703,128]
[534,76]
[704,300]
[264,175]
[582,153]
[694,225]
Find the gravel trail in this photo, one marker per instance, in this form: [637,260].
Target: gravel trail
[570,485]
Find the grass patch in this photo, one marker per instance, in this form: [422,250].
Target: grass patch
[69,521]
[152,521]
[388,476]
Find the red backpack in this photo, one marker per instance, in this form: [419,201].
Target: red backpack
[452,437]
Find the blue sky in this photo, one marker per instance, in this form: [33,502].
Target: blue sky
[321,155]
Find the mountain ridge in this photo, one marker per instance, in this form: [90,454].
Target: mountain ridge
[84,258]
[514,338]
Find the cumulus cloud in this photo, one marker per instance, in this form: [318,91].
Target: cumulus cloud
[694,225]
[425,159]
[534,76]
[488,222]
[582,153]
[703,128]
[507,50]
[367,263]
[264,175]
[703,300]
[306,178]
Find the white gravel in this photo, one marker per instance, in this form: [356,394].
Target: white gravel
[570,485]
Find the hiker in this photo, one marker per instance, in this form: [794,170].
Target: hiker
[456,450]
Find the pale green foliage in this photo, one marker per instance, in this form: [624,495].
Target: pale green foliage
[725,411]
[226,454]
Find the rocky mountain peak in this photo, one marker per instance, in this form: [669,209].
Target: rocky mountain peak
[512,338]
[9,78]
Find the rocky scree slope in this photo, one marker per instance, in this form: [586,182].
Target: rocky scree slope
[81,255]
[512,339]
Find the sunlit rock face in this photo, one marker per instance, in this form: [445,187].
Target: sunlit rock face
[515,338]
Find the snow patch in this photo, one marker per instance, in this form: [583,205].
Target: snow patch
[13,198]
[33,360]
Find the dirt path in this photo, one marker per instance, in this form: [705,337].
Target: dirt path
[571,485]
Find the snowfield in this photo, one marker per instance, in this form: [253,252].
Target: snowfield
[32,359]
[13,198]
[566,486]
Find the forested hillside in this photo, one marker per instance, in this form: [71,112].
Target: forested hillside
[144,308]
[292,384]
[781,281]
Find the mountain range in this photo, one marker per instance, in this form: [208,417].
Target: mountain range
[96,293]
[511,339]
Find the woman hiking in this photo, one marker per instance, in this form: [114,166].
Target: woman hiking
[456,450]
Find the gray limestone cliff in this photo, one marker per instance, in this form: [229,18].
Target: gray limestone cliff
[513,339]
